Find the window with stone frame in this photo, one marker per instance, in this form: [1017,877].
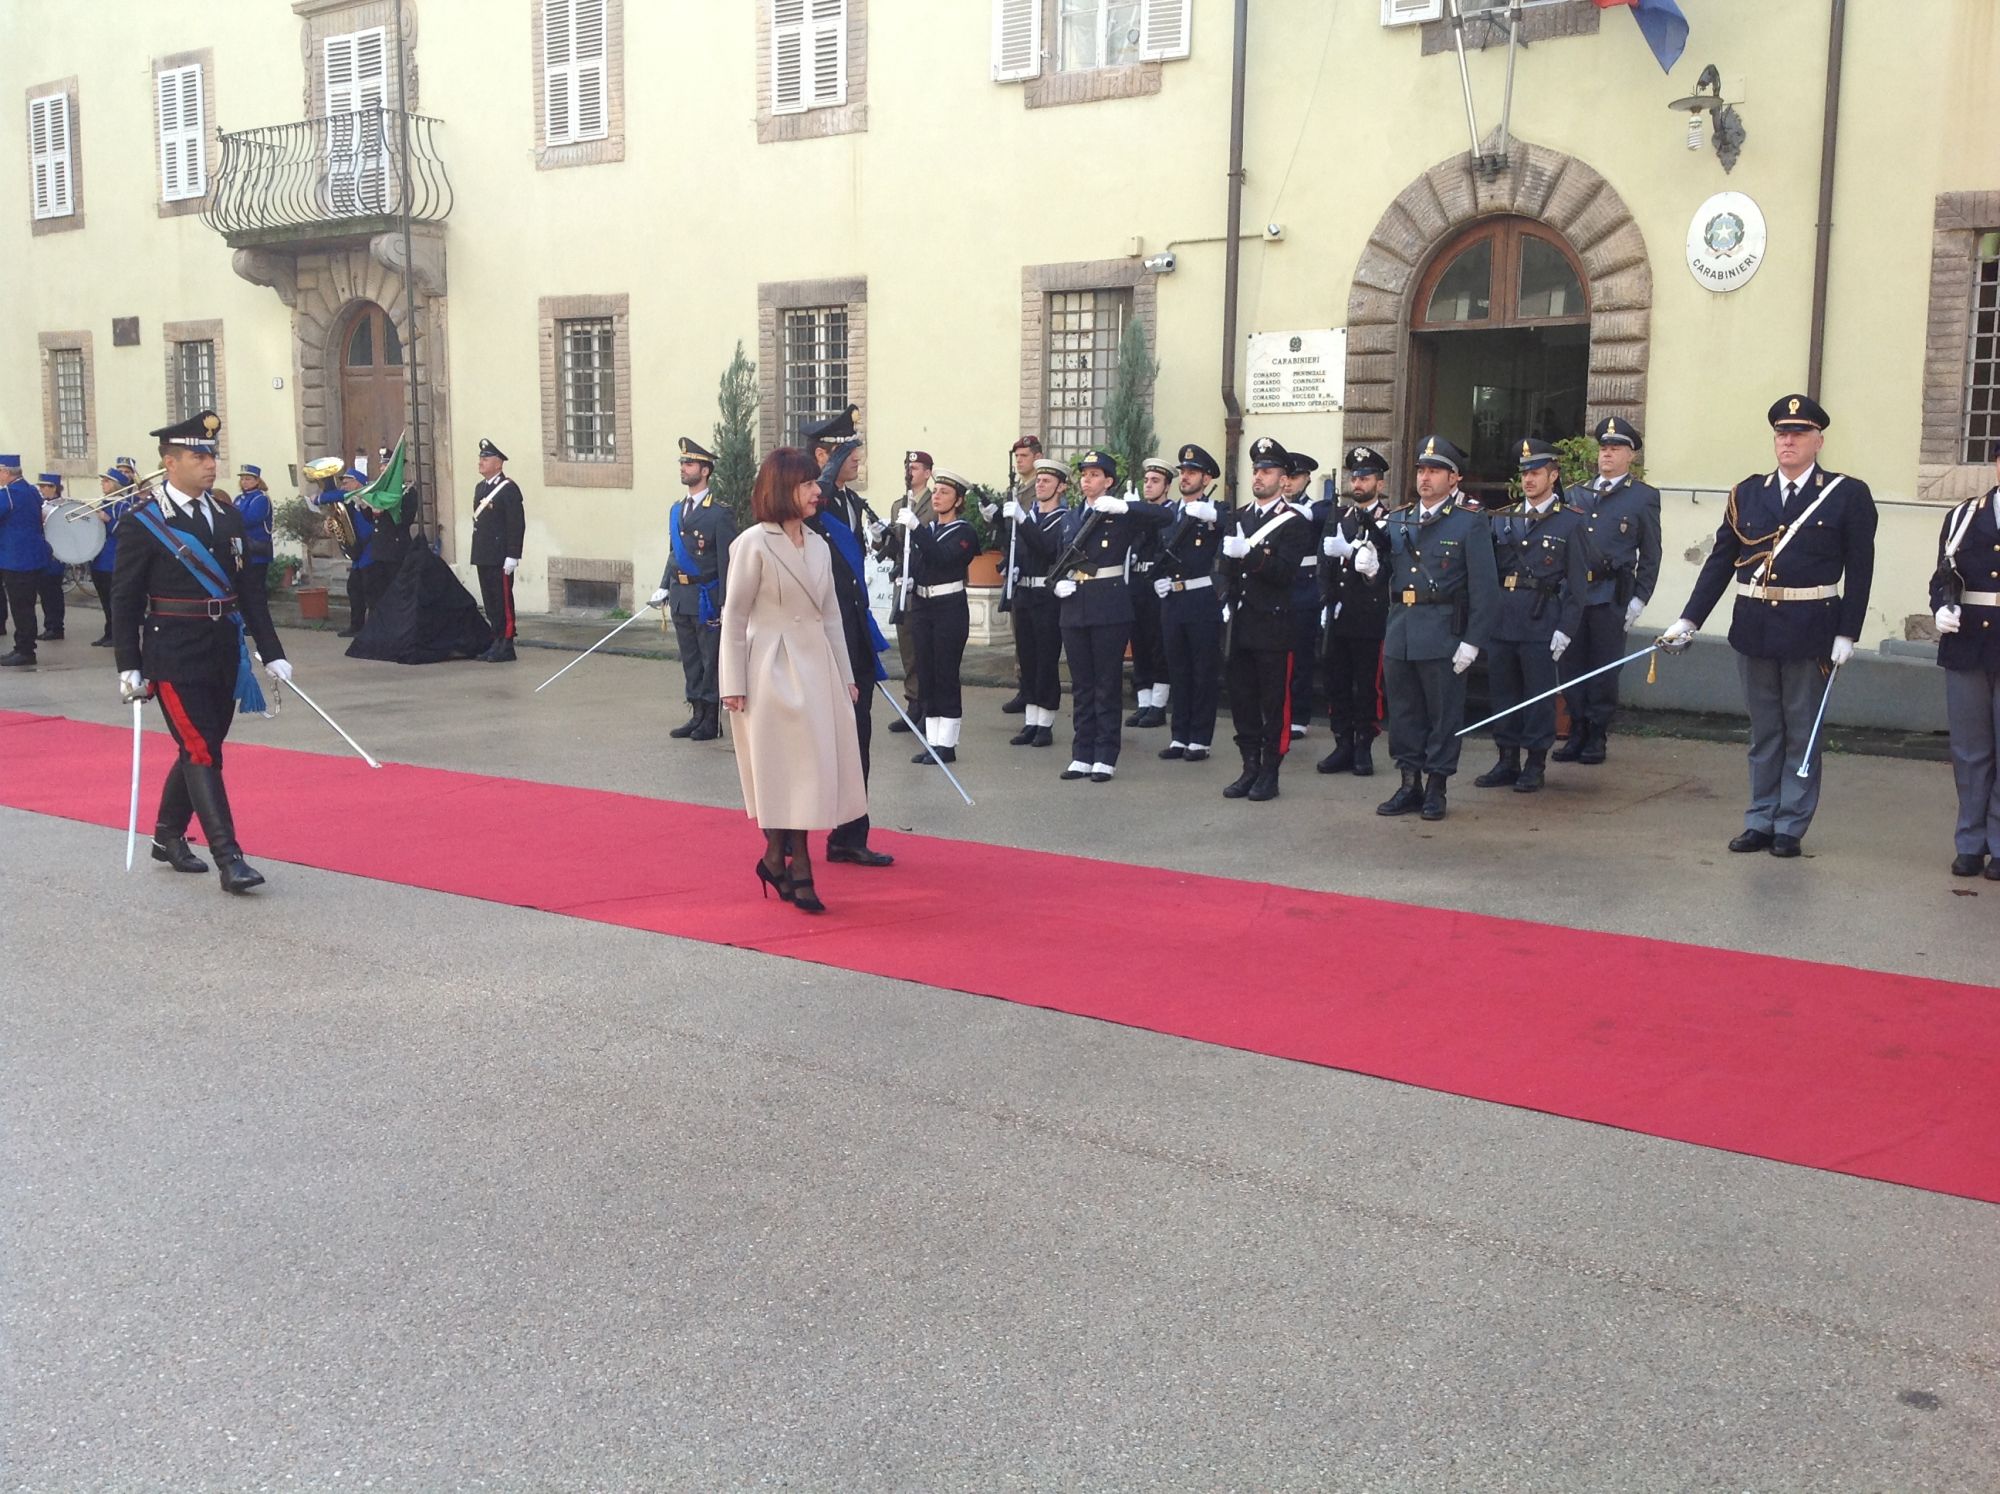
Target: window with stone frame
[813,345]
[1082,331]
[194,378]
[72,408]
[588,389]
[1982,373]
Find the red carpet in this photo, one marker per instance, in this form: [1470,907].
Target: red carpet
[1880,1076]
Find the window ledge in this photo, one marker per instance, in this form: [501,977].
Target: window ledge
[581,153]
[1093,85]
[1543,23]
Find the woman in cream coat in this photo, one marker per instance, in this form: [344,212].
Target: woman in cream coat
[786,680]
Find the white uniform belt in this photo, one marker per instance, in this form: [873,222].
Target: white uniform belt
[1758,593]
[942,589]
[1194,583]
[1117,575]
[1031,580]
[1980,599]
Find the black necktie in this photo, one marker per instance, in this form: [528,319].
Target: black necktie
[1791,495]
[199,513]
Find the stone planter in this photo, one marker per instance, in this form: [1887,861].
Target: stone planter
[312,603]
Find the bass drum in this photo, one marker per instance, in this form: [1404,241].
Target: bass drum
[74,533]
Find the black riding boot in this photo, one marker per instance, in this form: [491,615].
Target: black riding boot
[708,727]
[1531,775]
[1252,765]
[211,803]
[1505,771]
[1266,786]
[1364,755]
[1341,759]
[1434,797]
[1407,799]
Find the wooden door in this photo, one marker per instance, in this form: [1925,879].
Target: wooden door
[374,387]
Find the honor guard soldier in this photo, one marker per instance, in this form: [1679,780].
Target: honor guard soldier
[1191,609]
[1089,580]
[1024,453]
[1037,613]
[499,532]
[1798,548]
[1542,586]
[940,613]
[1443,593]
[1357,614]
[24,550]
[1305,591]
[1621,527]
[179,612]
[1261,549]
[699,532]
[1149,664]
[891,547]
[1965,596]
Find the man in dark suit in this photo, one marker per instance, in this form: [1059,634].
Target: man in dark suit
[179,612]
[499,530]
[1621,531]
[1262,546]
[1357,608]
[865,644]
[1797,546]
[1965,598]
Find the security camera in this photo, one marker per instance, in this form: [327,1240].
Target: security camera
[1274,231]
[1163,263]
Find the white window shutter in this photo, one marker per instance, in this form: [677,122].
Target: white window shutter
[558,73]
[828,82]
[183,148]
[339,54]
[788,46]
[49,158]
[1165,29]
[592,122]
[1017,40]
[1409,12]
[371,68]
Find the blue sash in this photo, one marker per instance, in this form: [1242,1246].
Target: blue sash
[705,611]
[249,696]
[850,551]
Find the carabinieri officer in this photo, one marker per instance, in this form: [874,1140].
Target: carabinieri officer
[1261,549]
[1799,546]
[1965,597]
[941,551]
[499,531]
[179,610]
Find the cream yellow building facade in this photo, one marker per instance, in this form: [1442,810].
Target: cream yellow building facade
[944,209]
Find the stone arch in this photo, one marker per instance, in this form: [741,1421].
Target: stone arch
[1541,184]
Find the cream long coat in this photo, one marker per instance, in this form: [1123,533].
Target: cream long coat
[784,652]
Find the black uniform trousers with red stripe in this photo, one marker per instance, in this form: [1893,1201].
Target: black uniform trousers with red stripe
[496,593]
[198,717]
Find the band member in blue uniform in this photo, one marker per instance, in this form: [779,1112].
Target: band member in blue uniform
[1965,598]
[1621,526]
[700,530]
[1443,593]
[24,551]
[103,563]
[360,555]
[1191,609]
[1089,580]
[939,612]
[1797,547]
[55,575]
[1357,614]
[1542,586]
[253,502]
[1150,688]
[499,535]
[1038,542]
[179,615]
[1261,548]
[1305,592]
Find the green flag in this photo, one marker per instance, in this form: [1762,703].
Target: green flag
[384,492]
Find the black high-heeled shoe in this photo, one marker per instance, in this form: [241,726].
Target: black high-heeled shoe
[804,898]
[770,879]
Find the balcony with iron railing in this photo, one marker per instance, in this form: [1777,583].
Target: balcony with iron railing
[337,177]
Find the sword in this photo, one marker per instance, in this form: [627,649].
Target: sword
[1805,763]
[1590,674]
[138,736]
[592,649]
[921,737]
[334,724]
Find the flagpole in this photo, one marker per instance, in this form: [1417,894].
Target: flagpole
[415,457]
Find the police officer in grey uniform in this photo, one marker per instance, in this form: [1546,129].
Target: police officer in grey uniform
[699,529]
[1444,591]
[1965,597]
[1621,524]
[1357,615]
[1542,586]
[1797,546]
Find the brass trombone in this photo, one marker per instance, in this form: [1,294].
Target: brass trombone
[81,508]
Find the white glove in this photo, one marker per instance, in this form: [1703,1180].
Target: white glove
[1678,635]
[1462,657]
[1558,641]
[1236,546]
[131,684]
[1106,504]
[907,516]
[875,531]
[1064,589]
[1366,562]
[658,598]
[280,670]
[1163,588]
[1843,650]
[1947,619]
[509,564]
[1336,610]
[988,510]
[1325,616]
[1013,513]
[1336,546]
[1632,610]
[1203,511]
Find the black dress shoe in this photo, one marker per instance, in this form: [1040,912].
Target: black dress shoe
[351,632]
[104,642]
[859,856]
[1017,706]
[899,724]
[686,728]
[1195,755]
[1970,865]
[1070,775]
[1152,716]
[1025,737]
[1992,872]
[1571,749]
[1100,777]
[1043,737]
[944,755]
[1752,840]
[503,653]
[55,637]
[1137,718]
[1504,772]
[1172,752]
[174,851]
[1406,800]
[18,660]
[238,875]
[1786,846]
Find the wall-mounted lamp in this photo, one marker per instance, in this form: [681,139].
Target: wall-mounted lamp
[1726,122]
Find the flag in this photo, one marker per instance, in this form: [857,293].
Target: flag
[1661,23]
[384,492]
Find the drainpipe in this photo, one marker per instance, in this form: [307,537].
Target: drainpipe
[1823,249]
[415,470]
[1232,259]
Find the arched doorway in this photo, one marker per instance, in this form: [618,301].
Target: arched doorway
[374,385]
[1500,344]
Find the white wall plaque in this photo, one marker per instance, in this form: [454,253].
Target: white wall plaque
[1725,242]
[1296,371]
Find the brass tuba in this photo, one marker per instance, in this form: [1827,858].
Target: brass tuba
[339,522]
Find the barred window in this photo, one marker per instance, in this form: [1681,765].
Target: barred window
[1084,328]
[589,421]
[72,434]
[194,378]
[815,367]
[1982,376]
